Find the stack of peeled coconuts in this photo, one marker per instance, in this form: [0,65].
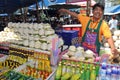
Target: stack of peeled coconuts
[116,38]
[31,35]
[79,54]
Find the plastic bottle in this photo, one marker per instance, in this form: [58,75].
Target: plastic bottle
[82,77]
[58,72]
[87,73]
[108,73]
[97,68]
[93,74]
[118,78]
[102,72]
[114,73]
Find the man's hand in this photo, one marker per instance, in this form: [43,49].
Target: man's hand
[115,52]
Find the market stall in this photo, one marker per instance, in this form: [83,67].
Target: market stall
[34,51]
[34,47]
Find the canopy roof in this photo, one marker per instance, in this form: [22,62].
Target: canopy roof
[9,6]
[112,10]
[83,3]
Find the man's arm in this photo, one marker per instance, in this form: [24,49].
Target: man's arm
[112,46]
[73,14]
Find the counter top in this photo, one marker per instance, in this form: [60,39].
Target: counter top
[72,25]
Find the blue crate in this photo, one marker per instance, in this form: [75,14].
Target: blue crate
[68,36]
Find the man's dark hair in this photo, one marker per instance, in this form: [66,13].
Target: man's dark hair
[98,5]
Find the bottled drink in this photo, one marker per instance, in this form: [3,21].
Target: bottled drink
[87,73]
[108,73]
[93,74]
[58,72]
[82,77]
[114,73]
[118,78]
[102,72]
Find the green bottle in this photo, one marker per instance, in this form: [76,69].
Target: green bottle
[77,74]
[68,73]
[82,77]
[64,68]
[97,68]
[87,73]
[93,74]
[73,69]
[58,72]
[77,70]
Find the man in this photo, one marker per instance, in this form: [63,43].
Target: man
[93,29]
[113,23]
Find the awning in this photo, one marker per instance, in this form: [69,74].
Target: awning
[5,14]
[83,3]
[66,6]
[112,10]
[9,6]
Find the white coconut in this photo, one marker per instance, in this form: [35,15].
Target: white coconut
[37,44]
[78,54]
[31,44]
[49,32]
[117,33]
[46,26]
[61,42]
[89,53]
[9,24]
[73,58]
[70,53]
[107,50]
[43,39]
[36,32]
[49,39]
[31,37]
[36,37]
[81,58]
[106,45]
[44,46]
[25,42]
[65,56]
[31,31]
[49,46]
[35,26]
[115,38]
[116,44]
[26,31]
[41,32]
[72,48]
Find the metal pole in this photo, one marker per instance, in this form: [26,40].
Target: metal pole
[37,11]
[103,3]
[88,7]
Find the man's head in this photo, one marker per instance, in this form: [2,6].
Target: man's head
[114,16]
[98,5]
[98,10]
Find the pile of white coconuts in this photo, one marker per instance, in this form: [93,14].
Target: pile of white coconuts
[116,38]
[32,35]
[79,54]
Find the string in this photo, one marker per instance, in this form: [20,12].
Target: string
[91,27]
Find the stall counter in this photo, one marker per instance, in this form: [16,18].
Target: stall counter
[74,27]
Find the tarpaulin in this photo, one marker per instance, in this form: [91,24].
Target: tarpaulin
[9,6]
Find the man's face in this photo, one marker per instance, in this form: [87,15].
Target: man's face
[97,13]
